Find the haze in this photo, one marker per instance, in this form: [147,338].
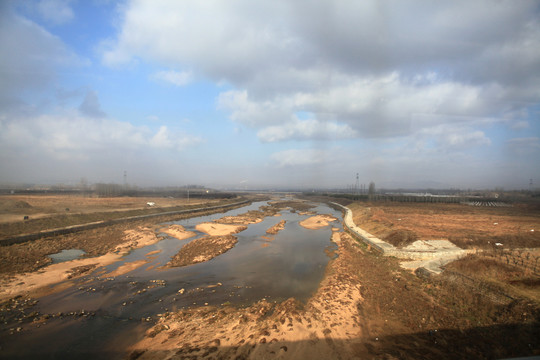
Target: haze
[271,93]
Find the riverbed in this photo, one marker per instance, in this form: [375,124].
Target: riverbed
[103,312]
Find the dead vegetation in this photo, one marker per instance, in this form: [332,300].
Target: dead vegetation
[401,238]
[466,226]
[513,281]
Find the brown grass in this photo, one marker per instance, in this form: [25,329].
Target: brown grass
[515,281]
[49,212]
[401,238]
[466,226]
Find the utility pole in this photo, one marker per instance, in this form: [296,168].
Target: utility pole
[357,185]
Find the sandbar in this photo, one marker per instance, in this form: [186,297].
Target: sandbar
[317,221]
[215,229]
[203,249]
[178,232]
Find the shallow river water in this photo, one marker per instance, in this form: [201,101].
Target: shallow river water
[110,313]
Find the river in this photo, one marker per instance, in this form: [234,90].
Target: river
[105,314]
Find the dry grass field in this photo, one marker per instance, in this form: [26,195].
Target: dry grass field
[15,207]
[47,212]
[466,226]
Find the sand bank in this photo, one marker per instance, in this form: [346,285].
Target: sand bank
[276,228]
[317,221]
[203,249]
[177,231]
[215,229]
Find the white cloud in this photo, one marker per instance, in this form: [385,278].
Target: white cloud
[450,137]
[461,140]
[363,107]
[363,68]
[306,129]
[68,134]
[173,77]
[55,11]
[299,157]
[520,125]
[31,57]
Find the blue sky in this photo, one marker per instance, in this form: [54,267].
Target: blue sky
[257,94]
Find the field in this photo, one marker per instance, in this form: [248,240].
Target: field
[46,212]
[15,207]
[470,227]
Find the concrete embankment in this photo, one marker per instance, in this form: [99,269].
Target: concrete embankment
[428,254]
[76,228]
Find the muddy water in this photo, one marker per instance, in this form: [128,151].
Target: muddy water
[66,255]
[103,314]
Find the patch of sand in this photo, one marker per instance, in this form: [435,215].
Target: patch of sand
[215,229]
[178,232]
[153,252]
[317,222]
[127,267]
[276,228]
[137,238]
[50,275]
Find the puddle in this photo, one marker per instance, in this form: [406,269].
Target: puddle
[66,255]
[290,264]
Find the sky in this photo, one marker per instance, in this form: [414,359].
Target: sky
[271,94]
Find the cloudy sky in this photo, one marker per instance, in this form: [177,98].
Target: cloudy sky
[247,93]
